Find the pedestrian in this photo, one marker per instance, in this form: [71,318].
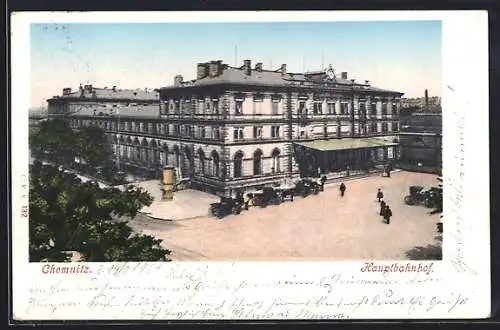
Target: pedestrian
[322,182]
[389,169]
[382,208]
[380,195]
[387,214]
[342,189]
[246,200]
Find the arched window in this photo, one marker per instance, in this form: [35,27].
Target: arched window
[238,164]
[215,163]
[257,162]
[275,166]
[201,162]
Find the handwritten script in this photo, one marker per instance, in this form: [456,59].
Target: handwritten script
[454,189]
[173,291]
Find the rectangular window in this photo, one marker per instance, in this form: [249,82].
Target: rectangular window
[302,107]
[176,107]
[215,106]
[317,108]
[395,126]
[274,108]
[344,108]
[275,131]
[239,107]
[384,109]
[202,132]
[201,106]
[331,108]
[373,127]
[362,108]
[384,127]
[177,129]
[238,133]
[257,132]
[216,133]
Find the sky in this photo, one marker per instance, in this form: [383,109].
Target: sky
[397,55]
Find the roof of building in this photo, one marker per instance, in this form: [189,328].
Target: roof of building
[143,111]
[346,143]
[113,94]
[234,75]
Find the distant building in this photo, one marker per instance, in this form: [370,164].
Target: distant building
[421,142]
[236,128]
[423,104]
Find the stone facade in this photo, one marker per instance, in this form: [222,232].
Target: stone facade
[232,128]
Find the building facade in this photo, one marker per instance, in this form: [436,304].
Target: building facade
[236,128]
[421,142]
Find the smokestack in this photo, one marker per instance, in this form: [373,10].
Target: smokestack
[283,69]
[113,89]
[178,80]
[66,91]
[247,66]
[201,70]
[343,75]
[258,67]
[426,98]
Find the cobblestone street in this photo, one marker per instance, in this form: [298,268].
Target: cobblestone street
[321,227]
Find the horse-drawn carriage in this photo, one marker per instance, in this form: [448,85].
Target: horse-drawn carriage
[418,196]
[226,206]
[266,196]
[307,186]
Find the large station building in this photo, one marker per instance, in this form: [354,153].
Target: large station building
[236,128]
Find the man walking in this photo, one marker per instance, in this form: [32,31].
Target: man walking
[382,208]
[387,214]
[342,189]
[380,195]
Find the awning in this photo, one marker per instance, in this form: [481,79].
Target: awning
[346,144]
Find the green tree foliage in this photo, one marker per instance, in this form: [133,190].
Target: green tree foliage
[53,141]
[68,215]
[92,146]
[57,143]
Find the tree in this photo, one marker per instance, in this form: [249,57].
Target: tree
[54,141]
[68,215]
[92,146]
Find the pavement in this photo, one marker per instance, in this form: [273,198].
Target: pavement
[186,204]
[320,227]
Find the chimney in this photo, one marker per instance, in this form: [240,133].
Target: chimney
[283,69]
[247,66]
[258,67]
[82,91]
[367,82]
[178,80]
[343,75]
[426,98]
[201,70]
[88,88]
[114,89]
[66,91]
[213,69]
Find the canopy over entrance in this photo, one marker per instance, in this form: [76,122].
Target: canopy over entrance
[346,144]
